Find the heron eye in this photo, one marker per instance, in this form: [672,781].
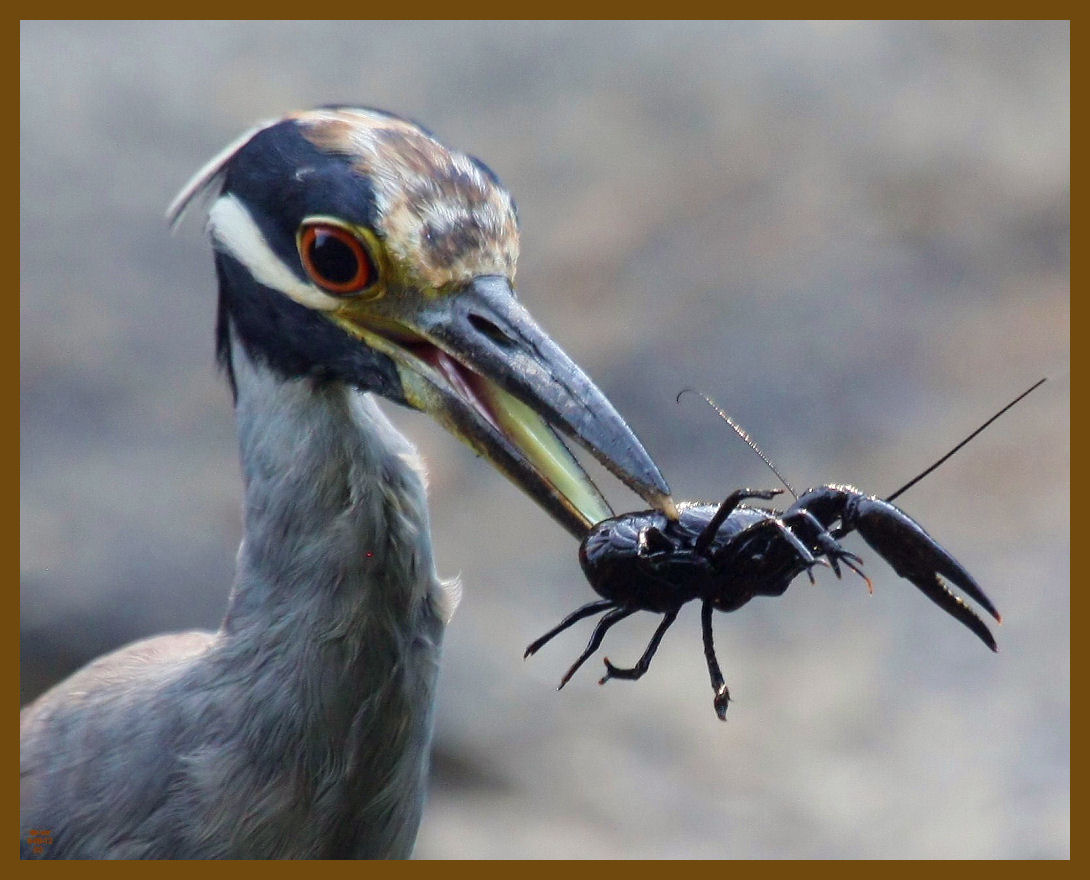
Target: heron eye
[335,259]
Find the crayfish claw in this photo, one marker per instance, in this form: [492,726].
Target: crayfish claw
[919,558]
[955,606]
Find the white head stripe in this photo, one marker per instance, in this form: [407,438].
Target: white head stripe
[235,232]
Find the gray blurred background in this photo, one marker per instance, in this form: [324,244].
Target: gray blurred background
[854,236]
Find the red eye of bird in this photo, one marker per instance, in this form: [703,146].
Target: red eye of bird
[335,259]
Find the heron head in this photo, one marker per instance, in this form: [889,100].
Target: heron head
[352,246]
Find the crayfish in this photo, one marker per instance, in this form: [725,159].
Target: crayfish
[726,554]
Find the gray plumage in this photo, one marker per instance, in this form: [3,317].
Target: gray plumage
[182,739]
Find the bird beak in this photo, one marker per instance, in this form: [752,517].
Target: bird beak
[477,362]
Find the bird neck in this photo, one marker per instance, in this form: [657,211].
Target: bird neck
[337,547]
[336,615]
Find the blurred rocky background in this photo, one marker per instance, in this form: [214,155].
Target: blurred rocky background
[854,235]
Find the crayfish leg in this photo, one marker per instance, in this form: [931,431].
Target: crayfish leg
[614,616]
[577,615]
[808,559]
[644,663]
[704,539]
[829,545]
[719,685]
[726,555]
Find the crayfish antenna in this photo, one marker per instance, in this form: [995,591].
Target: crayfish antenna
[741,432]
[920,476]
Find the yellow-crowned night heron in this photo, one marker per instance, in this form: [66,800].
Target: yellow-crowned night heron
[354,253]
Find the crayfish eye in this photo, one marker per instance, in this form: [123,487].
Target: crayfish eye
[335,258]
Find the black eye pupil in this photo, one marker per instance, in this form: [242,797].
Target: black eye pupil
[334,260]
